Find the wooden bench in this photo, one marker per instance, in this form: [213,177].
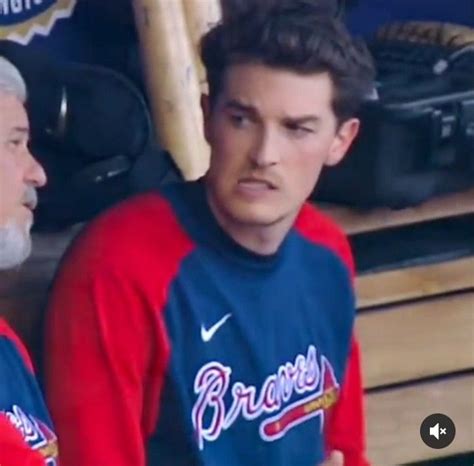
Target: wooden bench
[416,328]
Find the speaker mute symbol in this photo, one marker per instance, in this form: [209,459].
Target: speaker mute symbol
[437,431]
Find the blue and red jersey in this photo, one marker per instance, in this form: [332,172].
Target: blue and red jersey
[26,435]
[170,344]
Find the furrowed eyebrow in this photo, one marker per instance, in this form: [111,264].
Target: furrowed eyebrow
[236,105]
[289,120]
[302,120]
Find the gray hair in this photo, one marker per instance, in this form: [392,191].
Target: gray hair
[15,245]
[11,81]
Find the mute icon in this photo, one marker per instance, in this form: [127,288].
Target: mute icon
[438,431]
[434,431]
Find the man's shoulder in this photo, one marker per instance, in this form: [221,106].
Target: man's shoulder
[321,230]
[10,342]
[141,210]
[142,227]
[24,422]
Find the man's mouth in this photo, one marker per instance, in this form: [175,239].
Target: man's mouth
[30,198]
[257,184]
[30,205]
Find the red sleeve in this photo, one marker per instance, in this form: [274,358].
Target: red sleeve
[14,451]
[345,430]
[106,345]
[346,425]
[98,353]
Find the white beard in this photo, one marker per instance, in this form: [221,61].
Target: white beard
[15,245]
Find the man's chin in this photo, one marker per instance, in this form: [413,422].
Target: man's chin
[15,245]
[258,217]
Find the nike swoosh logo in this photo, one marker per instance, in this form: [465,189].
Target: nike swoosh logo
[207,334]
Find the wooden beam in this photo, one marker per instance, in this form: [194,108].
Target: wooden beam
[356,221]
[417,340]
[394,418]
[414,282]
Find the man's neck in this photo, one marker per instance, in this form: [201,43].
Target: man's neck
[260,239]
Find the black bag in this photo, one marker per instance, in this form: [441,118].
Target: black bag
[91,130]
[417,137]
[405,155]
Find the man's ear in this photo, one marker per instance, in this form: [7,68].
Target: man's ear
[206,113]
[343,140]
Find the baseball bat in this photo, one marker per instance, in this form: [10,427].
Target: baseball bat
[172,82]
[201,15]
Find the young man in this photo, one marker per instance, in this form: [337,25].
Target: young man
[26,437]
[211,323]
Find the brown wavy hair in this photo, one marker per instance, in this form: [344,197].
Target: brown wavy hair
[302,36]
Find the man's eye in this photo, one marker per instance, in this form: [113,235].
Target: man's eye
[239,121]
[299,131]
[15,143]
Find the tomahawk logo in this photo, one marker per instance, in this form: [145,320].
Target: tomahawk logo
[297,392]
[35,433]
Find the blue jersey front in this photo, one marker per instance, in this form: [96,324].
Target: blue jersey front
[259,347]
[197,352]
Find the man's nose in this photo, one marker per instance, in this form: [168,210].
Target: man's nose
[35,174]
[266,151]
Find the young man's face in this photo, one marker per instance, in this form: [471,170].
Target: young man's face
[20,174]
[271,132]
